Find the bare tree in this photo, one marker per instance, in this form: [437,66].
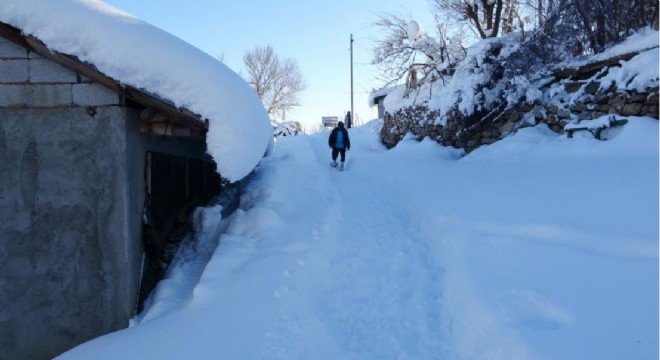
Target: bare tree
[593,25]
[277,83]
[407,52]
[484,16]
[537,9]
[510,15]
[393,54]
[590,26]
[609,21]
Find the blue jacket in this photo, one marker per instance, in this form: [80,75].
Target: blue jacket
[332,140]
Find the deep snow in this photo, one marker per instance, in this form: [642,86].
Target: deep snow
[536,247]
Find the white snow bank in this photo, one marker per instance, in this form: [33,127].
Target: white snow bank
[640,73]
[645,38]
[141,55]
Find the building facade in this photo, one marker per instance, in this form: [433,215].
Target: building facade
[96,180]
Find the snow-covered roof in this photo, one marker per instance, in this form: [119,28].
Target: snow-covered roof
[135,53]
[377,94]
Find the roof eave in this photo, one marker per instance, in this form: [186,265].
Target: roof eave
[181,116]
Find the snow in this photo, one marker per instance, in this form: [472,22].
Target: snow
[600,122]
[374,94]
[139,54]
[414,31]
[645,38]
[286,128]
[535,247]
[640,73]
[465,91]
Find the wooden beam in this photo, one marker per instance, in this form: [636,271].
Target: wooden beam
[184,117]
[150,115]
[13,34]
[171,129]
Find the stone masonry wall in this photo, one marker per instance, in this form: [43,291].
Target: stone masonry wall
[578,101]
[419,120]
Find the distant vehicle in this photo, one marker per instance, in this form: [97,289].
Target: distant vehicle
[330,121]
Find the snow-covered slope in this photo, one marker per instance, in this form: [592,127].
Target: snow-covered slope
[536,247]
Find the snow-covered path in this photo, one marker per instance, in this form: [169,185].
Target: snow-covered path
[537,247]
[370,284]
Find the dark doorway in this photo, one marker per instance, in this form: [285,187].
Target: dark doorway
[174,187]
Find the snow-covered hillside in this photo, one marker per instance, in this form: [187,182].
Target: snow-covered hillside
[536,247]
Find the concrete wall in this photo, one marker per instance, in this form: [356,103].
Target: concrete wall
[70,263]
[71,202]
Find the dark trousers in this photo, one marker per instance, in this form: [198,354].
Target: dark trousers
[336,151]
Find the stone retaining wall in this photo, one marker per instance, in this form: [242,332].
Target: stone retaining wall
[576,101]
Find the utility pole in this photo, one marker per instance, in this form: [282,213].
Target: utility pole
[352,112]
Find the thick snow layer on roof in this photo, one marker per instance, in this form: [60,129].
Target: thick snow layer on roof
[141,55]
[381,92]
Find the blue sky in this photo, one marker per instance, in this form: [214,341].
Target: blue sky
[314,33]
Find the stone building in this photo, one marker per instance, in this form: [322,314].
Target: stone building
[377,98]
[96,179]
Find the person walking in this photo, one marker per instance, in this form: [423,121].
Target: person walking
[339,142]
[348,120]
